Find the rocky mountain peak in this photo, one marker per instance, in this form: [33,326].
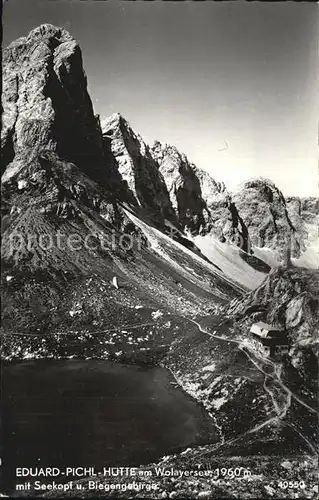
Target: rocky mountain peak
[116,127]
[48,31]
[182,184]
[46,105]
[116,120]
[39,36]
[203,205]
[138,168]
[263,208]
[266,188]
[162,151]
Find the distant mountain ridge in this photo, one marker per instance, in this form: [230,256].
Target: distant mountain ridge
[54,144]
[254,216]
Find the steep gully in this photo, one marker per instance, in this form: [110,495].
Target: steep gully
[282,407]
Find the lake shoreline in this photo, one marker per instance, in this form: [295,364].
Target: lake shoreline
[149,414]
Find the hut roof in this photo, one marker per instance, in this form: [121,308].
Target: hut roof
[263,329]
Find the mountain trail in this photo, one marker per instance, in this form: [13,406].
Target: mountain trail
[281,406]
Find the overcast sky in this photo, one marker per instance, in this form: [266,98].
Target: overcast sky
[231,84]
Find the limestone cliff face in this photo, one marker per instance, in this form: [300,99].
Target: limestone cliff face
[138,168]
[47,111]
[202,205]
[256,215]
[183,186]
[307,208]
[58,170]
[305,212]
[46,105]
[263,208]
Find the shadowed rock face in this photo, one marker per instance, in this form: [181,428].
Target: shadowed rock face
[263,208]
[203,206]
[46,104]
[306,208]
[255,215]
[138,168]
[183,186]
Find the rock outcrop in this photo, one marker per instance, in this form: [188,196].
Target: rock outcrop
[183,186]
[306,210]
[51,197]
[288,298]
[202,205]
[58,169]
[46,105]
[263,208]
[138,169]
[256,215]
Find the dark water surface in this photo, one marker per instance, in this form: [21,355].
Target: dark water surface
[93,413]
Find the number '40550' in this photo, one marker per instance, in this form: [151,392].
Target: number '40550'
[291,484]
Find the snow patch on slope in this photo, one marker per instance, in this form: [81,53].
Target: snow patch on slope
[165,247]
[227,257]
